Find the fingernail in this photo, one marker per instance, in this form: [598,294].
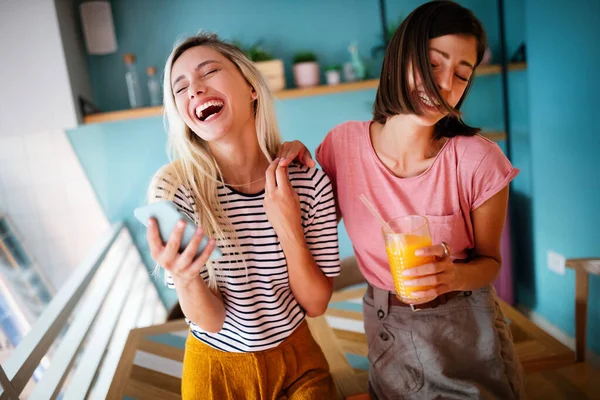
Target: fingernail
[407,273]
[419,252]
[198,231]
[181,224]
[151,222]
[408,283]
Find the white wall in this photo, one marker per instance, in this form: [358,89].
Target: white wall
[35,89]
[49,199]
[74,51]
[43,188]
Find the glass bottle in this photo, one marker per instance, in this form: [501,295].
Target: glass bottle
[153,87]
[133,84]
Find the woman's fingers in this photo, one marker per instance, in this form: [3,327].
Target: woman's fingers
[431,293]
[283,149]
[172,248]
[190,251]
[271,180]
[429,280]
[307,160]
[281,174]
[425,269]
[296,151]
[437,250]
[203,257]
[292,150]
[154,240]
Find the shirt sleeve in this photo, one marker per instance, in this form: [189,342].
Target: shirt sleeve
[321,230]
[325,156]
[164,185]
[493,174]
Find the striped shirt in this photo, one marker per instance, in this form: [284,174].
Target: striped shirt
[260,309]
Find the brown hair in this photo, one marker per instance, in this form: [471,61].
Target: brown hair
[410,44]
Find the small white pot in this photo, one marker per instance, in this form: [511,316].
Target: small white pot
[332,77]
[306,74]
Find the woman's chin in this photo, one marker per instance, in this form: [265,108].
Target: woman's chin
[211,135]
[428,119]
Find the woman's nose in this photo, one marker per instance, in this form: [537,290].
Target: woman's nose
[444,79]
[196,90]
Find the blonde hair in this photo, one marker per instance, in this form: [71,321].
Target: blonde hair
[190,156]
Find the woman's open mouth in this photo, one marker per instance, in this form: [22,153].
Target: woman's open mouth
[430,104]
[210,110]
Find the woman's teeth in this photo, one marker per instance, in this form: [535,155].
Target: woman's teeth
[203,107]
[427,101]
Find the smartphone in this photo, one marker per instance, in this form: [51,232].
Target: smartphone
[167,215]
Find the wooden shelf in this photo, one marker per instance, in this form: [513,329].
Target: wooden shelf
[326,89]
[372,83]
[494,136]
[123,114]
[282,95]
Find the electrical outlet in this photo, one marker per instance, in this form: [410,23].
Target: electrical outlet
[556,262]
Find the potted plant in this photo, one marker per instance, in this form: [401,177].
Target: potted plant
[391,29]
[333,74]
[270,67]
[306,69]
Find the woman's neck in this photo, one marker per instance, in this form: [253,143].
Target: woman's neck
[404,146]
[241,160]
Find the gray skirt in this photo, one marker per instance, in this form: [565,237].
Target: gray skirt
[460,350]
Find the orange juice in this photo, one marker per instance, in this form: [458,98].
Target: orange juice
[400,249]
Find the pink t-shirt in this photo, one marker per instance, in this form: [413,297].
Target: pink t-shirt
[466,172]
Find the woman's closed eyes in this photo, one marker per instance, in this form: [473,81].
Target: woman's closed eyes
[462,78]
[205,75]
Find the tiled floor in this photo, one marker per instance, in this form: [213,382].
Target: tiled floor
[151,364]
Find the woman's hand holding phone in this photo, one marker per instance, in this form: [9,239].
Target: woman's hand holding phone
[182,266]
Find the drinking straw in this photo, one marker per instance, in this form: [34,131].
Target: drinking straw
[371,208]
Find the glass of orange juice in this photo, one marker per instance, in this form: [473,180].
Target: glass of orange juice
[402,236]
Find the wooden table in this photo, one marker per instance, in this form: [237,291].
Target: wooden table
[150,367]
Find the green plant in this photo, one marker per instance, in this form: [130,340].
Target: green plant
[304,56]
[333,68]
[255,52]
[391,29]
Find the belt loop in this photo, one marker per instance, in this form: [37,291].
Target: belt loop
[381,301]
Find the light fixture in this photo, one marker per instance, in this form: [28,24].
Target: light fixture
[98,27]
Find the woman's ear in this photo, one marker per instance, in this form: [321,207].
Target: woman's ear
[253,94]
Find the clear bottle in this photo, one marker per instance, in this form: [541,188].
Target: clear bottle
[133,83]
[153,87]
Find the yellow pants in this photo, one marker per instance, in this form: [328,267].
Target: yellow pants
[294,370]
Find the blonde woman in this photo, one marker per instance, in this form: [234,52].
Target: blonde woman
[275,225]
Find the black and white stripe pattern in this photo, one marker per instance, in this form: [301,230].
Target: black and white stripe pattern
[261,310]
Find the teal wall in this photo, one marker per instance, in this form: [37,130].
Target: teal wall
[563,85]
[120,157]
[520,146]
[149,28]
